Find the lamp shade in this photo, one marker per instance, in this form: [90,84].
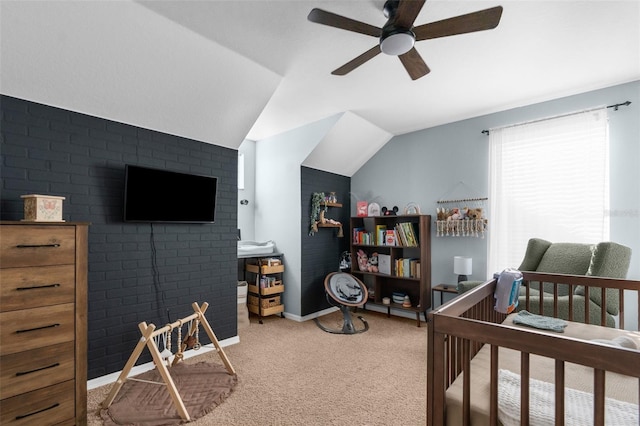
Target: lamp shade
[462,265]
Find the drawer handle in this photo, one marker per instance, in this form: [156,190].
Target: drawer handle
[35,287]
[36,412]
[37,245]
[24,373]
[38,328]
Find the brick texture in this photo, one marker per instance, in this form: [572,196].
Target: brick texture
[321,252]
[137,272]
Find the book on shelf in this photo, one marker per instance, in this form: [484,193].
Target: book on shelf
[400,239]
[407,234]
[380,234]
[407,267]
[361,236]
[384,264]
[355,232]
[390,237]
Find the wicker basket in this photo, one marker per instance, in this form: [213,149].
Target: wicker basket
[264,302]
[270,302]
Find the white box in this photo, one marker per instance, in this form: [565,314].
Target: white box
[42,208]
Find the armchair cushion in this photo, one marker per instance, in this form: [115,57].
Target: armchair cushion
[609,260]
[467,285]
[536,248]
[563,258]
[566,258]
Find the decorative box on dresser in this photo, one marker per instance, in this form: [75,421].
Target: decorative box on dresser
[43,323]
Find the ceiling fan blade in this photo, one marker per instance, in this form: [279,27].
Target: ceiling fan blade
[476,21]
[355,63]
[320,16]
[414,64]
[407,12]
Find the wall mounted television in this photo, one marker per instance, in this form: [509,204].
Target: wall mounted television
[158,195]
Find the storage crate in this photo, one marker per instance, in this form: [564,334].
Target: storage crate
[265,269]
[270,302]
[265,312]
[278,287]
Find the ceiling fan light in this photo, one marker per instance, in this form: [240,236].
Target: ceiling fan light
[397,44]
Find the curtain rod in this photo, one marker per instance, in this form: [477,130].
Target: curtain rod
[615,108]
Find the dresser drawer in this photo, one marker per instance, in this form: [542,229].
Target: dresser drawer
[46,406]
[27,371]
[36,328]
[34,245]
[37,286]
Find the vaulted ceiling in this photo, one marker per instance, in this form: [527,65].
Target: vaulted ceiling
[223,71]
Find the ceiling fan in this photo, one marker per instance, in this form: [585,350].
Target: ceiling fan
[398,35]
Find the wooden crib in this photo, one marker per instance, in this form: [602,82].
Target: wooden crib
[471,345]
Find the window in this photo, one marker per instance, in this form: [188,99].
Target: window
[548,179]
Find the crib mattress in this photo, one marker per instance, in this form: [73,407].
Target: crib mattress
[577,377]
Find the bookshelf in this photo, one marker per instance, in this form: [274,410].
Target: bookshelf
[398,252]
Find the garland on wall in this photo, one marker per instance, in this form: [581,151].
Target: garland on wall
[316,208]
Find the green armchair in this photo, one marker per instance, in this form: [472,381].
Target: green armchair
[604,259]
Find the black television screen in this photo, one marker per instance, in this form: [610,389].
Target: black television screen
[155,195]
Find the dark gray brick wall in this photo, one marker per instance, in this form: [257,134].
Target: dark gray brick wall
[47,150]
[321,252]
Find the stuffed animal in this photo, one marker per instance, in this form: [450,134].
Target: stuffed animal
[373,262]
[464,213]
[442,213]
[392,212]
[366,264]
[475,214]
[363,261]
[455,214]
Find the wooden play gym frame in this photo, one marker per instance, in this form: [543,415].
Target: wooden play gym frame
[148,333]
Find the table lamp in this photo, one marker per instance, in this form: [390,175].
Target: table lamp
[462,267]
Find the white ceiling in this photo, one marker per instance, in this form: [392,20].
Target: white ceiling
[541,50]
[222,71]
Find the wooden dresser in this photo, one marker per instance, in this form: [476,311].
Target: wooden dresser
[43,323]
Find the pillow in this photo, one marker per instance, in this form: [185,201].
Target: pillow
[565,258]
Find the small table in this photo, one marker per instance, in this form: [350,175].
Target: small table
[444,288]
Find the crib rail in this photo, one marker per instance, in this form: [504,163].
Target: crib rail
[591,284]
[459,329]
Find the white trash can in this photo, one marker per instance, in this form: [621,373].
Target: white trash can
[243,312]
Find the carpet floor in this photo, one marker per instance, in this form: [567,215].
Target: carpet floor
[293,373]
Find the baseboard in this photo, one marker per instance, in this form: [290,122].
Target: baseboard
[318,314]
[139,369]
[394,312]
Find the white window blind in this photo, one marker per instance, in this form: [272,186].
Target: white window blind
[548,179]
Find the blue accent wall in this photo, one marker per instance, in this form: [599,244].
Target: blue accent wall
[424,166]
